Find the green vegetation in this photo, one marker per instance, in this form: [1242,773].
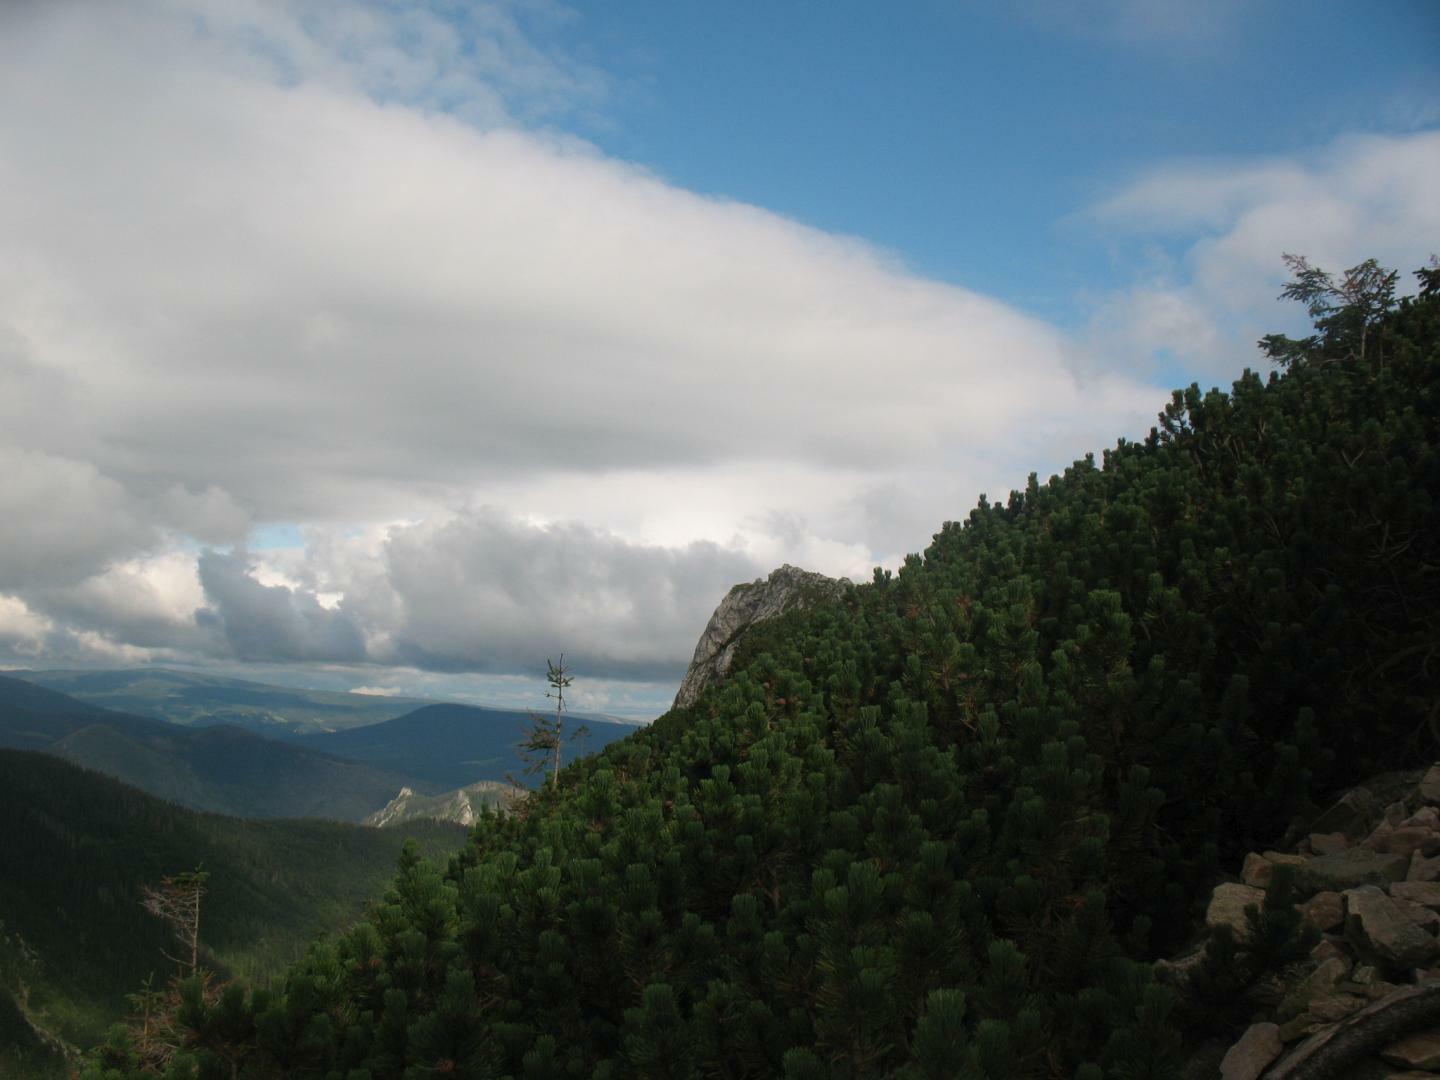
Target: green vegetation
[940,826]
[78,849]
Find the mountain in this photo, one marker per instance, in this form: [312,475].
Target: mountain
[452,746]
[946,824]
[192,698]
[220,769]
[462,806]
[78,846]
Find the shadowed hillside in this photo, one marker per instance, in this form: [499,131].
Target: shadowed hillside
[77,847]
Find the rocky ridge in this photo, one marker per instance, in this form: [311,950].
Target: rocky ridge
[786,589]
[461,806]
[1366,1003]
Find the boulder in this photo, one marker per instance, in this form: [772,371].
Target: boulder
[1404,839]
[1256,1049]
[1419,1050]
[1419,914]
[1328,843]
[1227,907]
[1417,892]
[1257,870]
[1324,911]
[785,590]
[1429,789]
[1348,870]
[1381,932]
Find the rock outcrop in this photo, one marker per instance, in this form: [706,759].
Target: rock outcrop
[462,806]
[786,589]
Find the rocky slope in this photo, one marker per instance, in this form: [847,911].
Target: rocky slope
[1366,1001]
[462,806]
[747,604]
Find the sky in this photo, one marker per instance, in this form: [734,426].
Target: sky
[406,345]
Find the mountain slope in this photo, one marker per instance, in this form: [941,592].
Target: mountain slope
[942,825]
[77,847]
[452,746]
[220,769]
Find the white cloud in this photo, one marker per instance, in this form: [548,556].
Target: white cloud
[1359,198]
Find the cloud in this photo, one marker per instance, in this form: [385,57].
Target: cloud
[271,264]
[486,592]
[272,622]
[1228,223]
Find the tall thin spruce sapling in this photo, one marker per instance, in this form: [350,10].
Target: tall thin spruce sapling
[545,735]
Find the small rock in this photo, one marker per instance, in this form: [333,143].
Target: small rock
[1227,907]
[1381,932]
[1324,911]
[1396,812]
[1348,870]
[1283,858]
[1257,870]
[1418,1050]
[1364,975]
[1429,789]
[1328,843]
[1417,892]
[1326,974]
[1257,1048]
[1327,948]
[1333,1009]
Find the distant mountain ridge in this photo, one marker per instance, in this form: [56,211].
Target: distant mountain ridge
[196,699]
[221,769]
[453,746]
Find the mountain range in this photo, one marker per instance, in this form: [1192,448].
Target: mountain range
[221,769]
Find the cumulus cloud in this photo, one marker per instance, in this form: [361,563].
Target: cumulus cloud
[1226,225]
[315,264]
[271,622]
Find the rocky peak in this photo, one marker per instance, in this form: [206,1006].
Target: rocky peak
[747,604]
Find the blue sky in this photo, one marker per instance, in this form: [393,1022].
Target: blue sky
[403,345]
[970,138]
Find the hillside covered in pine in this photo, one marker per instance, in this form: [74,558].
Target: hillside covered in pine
[943,825]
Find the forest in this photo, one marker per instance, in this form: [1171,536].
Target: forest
[944,825]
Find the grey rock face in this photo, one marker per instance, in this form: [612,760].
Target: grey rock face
[744,606]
